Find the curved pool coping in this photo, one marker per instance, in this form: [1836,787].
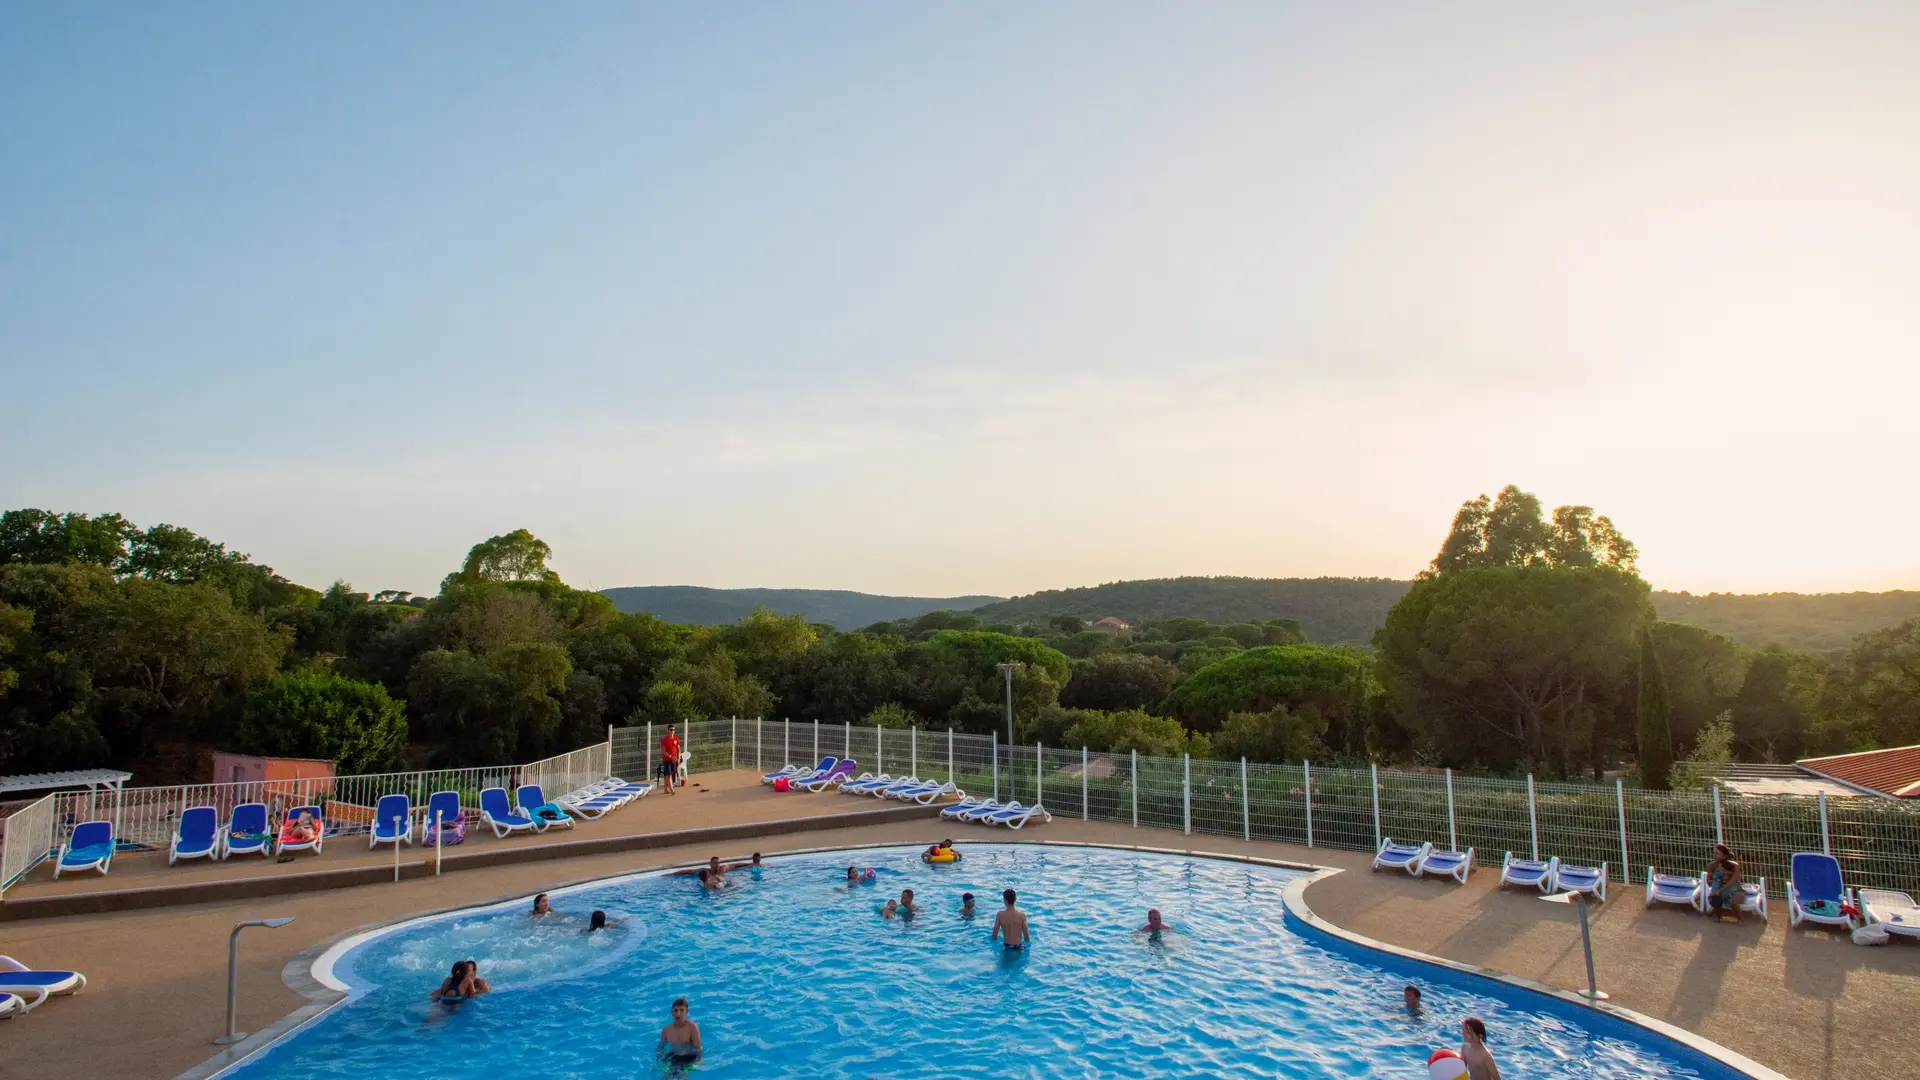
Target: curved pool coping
[312,972]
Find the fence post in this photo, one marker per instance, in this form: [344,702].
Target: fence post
[1307,766]
[786,740]
[1533,819]
[879,753]
[849,733]
[1039,782]
[1620,801]
[647,753]
[816,739]
[1133,784]
[995,735]
[759,740]
[1374,783]
[950,778]
[1186,794]
[1083,783]
[1453,835]
[913,751]
[1826,845]
[1246,808]
[733,742]
[1719,836]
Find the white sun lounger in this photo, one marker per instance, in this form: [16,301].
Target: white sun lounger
[986,810]
[1017,816]
[18,978]
[1572,877]
[832,778]
[866,783]
[1528,873]
[1894,912]
[928,794]
[1400,856]
[961,809]
[894,790]
[1753,897]
[13,1004]
[1442,863]
[1682,889]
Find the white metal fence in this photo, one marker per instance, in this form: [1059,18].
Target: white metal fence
[1877,841]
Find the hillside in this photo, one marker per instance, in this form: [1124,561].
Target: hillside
[1330,610]
[1817,622]
[835,607]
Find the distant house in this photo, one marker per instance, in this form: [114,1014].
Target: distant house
[1111,625]
[1894,772]
[250,769]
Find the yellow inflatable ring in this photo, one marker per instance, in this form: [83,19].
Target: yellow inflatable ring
[948,856]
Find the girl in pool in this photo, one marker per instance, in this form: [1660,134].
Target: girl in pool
[599,922]
[540,905]
[857,877]
[679,1041]
[465,982]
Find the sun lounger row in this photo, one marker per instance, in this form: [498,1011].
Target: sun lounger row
[1692,890]
[830,773]
[993,812]
[1552,875]
[537,814]
[1424,860]
[23,989]
[905,789]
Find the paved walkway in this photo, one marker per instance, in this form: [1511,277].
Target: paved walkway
[1807,1003]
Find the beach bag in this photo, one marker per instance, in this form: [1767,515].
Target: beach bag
[1871,934]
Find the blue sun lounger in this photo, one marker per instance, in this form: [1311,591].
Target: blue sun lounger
[392,822]
[534,804]
[89,848]
[803,774]
[453,822]
[1400,856]
[1572,877]
[18,978]
[196,835]
[247,831]
[958,811]
[498,815]
[1528,873]
[1682,889]
[1440,862]
[1815,892]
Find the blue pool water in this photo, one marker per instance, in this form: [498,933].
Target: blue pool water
[790,973]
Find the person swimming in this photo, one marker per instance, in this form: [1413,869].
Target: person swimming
[541,906]
[1154,925]
[1411,996]
[465,982]
[907,907]
[890,910]
[598,921]
[680,1040]
[966,905]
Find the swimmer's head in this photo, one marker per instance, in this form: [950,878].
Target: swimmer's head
[598,920]
[1008,896]
[756,858]
[966,898]
[853,873]
[540,905]
[1412,994]
[679,1009]
[1475,1027]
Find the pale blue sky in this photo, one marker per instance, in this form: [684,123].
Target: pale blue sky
[983,298]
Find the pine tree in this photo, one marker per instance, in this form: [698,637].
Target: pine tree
[1656,721]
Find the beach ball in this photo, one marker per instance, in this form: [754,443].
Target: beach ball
[1446,1065]
[783,784]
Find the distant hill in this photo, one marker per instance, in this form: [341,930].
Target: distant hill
[1330,610]
[1816,622]
[836,607]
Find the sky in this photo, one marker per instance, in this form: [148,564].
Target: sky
[982,298]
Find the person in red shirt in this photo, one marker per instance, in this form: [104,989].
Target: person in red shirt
[670,757]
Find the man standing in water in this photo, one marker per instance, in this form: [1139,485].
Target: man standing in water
[1473,1050]
[1010,925]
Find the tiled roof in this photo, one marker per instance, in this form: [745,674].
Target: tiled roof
[1895,771]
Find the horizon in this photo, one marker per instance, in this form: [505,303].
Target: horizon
[949,303]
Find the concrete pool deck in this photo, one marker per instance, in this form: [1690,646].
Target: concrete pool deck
[1808,1003]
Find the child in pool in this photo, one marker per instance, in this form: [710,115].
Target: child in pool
[888,912]
[680,1040]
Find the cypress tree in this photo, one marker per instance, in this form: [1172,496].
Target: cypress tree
[1656,721]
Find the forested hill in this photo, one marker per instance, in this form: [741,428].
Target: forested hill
[838,608]
[1330,610]
[1815,622]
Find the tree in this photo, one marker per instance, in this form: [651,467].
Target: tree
[514,556]
[957,668]
[1118,682]
[318,714]
[1515,664]
[1335,686]
[1655,717]
[1703,672]
[1714,747]
[667,703]
[1279,734]
[1511,531]
[891,715]
[36,537]
[1133,730]
[1876,688]
[843,678]
[485,709]
[14,624]
[1774,707]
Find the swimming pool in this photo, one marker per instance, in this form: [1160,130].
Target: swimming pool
[792,973]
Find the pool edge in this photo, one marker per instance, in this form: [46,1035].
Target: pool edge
[1294,898]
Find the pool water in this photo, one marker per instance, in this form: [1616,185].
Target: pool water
[791,973]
